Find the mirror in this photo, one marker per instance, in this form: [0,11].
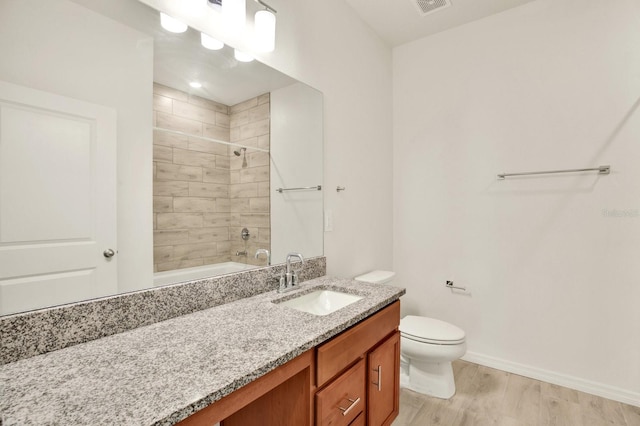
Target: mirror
[116,175]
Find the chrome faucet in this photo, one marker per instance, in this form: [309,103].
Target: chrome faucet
[289,280]
[265,252]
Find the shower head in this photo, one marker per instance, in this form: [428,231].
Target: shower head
[237,152]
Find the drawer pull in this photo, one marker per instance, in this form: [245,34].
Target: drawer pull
[379,371]
[354,402]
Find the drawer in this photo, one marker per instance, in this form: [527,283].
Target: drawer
[344,399]
[338,353]
[359,421]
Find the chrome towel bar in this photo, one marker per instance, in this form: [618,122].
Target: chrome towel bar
[603,170]
[304,188]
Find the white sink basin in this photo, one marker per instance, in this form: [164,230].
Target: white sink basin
[321,302]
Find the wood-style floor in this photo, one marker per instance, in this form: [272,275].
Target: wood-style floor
[485,396]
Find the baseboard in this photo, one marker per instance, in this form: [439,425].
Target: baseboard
[594,388]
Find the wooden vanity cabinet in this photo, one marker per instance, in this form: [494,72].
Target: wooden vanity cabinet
[368,352]
[352,379]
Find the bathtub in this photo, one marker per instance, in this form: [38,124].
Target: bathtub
[199,272]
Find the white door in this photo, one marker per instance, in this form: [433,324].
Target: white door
[57,199]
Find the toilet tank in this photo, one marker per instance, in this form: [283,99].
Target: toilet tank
[377,277]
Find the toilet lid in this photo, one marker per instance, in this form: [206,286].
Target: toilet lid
[430,330]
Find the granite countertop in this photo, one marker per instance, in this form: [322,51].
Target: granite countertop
[162,373]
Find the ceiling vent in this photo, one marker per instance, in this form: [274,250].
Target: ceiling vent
[427,7]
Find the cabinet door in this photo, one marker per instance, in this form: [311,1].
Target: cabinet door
[343,399]
[384,382]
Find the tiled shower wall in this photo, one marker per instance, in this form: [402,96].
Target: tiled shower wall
[249,188]
[197,216]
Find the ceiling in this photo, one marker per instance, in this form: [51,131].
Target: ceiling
[399,21]
[180,59]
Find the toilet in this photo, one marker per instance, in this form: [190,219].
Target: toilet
[427,348]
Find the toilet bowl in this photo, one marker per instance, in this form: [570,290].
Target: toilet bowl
[427,348]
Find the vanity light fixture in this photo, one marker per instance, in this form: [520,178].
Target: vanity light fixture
[172,24]
[195,84]
[242,56]
[265,28]
[210,43]
[234,16]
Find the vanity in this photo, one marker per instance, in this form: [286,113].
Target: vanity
[250,361]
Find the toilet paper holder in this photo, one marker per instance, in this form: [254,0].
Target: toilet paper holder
[449,284]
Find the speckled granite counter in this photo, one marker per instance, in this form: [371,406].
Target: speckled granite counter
[162,373]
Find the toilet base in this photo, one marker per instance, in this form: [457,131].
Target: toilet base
[432,379]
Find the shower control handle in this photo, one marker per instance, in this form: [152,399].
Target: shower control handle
[108,253]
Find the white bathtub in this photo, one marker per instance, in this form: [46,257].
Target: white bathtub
[199,272]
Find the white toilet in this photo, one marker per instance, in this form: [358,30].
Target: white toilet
[427,348]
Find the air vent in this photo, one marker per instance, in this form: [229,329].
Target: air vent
[426,7]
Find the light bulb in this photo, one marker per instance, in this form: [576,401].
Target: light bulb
[242,56]
[234,16]
[171,24]
[265,31]
[195,84]
[210,43]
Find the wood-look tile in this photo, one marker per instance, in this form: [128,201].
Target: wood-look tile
[631,414]
[176,172]
[209,190]
[194,251]
[254,174]
[162,104]
[194,204]
[162,204]
[207,103]
[256,159]
[559,412]
[264,98]
[170,237]
[259,205]
[203,235]
[604,410]
[264,141]
[260,112]
[222,205]
[558,392]
[179,124]
[240,205]
[194,158]
[223,162]
[522,398]
[216,176]
[214,220]
[264,235]
[243,190]
[179,221]
[251,130]
[178,264]
[162,90]
[250,103]
[222,120]
[194,112]
[239,119]
[217,132]
[264,189]
[162,254]
[170,188]
[490,387]
[255,219]
[170,139]
[162,153]
[485,396]
[410,403]
[202,145]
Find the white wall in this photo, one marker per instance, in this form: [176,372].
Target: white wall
[63,48]
[296,161]
[554,283]
[325,45]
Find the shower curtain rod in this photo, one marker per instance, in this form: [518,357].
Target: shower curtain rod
[603,170]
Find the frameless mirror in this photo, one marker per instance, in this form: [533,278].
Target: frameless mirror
[117,175]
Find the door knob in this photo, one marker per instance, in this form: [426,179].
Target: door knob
[109,253]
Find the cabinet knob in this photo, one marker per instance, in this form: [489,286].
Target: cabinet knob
[354,402]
